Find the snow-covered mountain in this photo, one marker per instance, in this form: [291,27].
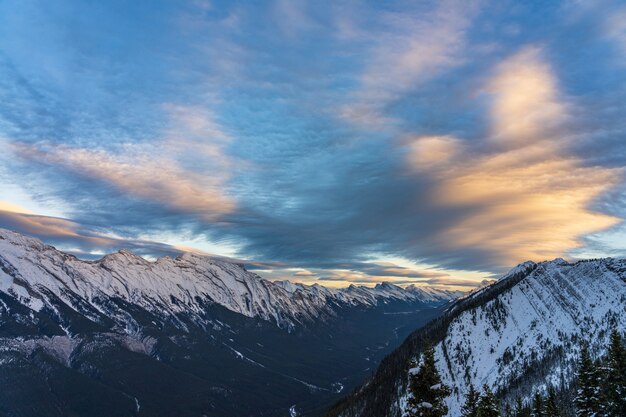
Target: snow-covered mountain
[192,335]
[518,335]
[31,271]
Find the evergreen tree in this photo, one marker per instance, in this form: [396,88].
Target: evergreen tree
[487,404]
[615,379]
[552,409]
[538,410]
[587,397]
[427,391]
[470,408]
[508,411]
[519,407]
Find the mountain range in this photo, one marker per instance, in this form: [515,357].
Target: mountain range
[196,335]
[191,335]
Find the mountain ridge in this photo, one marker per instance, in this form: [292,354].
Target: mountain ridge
[181,284]
[518,335]
[190,335]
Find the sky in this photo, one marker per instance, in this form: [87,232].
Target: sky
[331,142]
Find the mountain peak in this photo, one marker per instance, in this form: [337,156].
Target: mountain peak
[526,327]
[386,285]
[124,254]
[18,239]
[520,268]
[184,285]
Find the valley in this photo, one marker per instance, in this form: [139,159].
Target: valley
[185,336]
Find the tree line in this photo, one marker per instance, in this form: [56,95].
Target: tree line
[600,390]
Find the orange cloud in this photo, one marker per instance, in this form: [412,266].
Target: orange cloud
[527,106]
[529,199]
[9,207]
[157,172]
[44,226]
[76,238]
[190,249]
[429,152]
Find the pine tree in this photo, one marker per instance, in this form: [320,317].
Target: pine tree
[427,391]
[615,379]
[538,410]
[470,408]
[508,411]
[519,407]
[587,397]
[487,405]
[552,409]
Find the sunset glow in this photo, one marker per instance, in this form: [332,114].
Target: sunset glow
[318,142]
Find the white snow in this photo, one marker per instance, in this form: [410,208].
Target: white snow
[555,307]
[337,387]
[186,284]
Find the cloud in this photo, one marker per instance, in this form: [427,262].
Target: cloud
[338,278]
[426,153]
[291,16]
[10,207]
[75,238]
[304,273]
[523,197]
[527,107]
[39,225]
[616,29]
[455,282]
[376,272]
[453,150]
[413,48]
[390,269]
[164,172]
[93,243]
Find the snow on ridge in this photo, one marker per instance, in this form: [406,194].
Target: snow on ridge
[523,267]
[184,284]
[543,319]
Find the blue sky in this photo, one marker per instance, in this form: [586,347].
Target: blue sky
[333,142]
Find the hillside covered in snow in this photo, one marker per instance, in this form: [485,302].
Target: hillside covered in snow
[33,272]
[519,336]
[191,335]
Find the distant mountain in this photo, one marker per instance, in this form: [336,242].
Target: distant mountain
[39,275]
[518,335]
[192,335]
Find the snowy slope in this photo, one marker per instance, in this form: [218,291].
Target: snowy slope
[187,336]
[30,271]
[536,325]
[518,335]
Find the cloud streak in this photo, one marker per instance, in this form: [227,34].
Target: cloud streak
[353,141]
[156,172]
[415,47]
[528,199]
[76,238]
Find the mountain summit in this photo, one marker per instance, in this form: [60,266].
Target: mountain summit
[34,272]
[191,335]
[518,336]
